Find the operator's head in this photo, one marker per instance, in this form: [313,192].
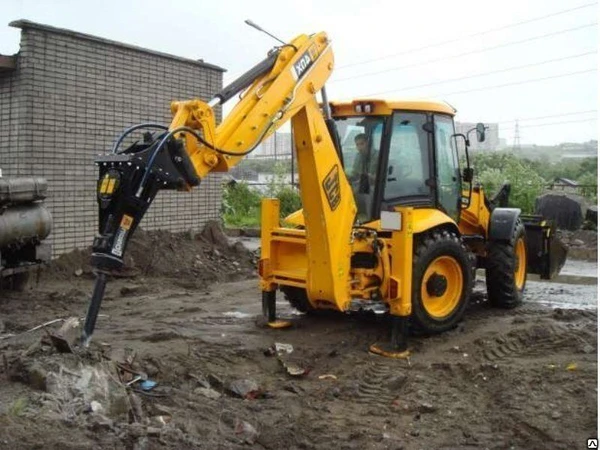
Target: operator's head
[362,143]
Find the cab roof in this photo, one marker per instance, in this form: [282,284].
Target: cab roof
[385,107]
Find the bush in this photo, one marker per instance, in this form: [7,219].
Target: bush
[241,205]
[241,202]
[289,200]
[492,169]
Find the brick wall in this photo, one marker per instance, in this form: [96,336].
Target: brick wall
[67,100]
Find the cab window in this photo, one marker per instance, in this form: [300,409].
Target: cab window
[408,162]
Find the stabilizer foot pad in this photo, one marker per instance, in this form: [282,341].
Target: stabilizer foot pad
[279,324]
[388,351]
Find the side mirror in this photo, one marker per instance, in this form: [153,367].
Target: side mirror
[480,129]
[467,174]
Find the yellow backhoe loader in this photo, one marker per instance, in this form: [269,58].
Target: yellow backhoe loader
[390,222]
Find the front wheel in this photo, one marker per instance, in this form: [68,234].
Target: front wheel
[442,282]
[506,269]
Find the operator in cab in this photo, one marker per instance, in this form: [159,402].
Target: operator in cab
[362,175]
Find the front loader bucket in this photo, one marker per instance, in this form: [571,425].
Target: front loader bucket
[546,254]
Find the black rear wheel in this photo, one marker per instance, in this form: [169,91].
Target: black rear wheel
[297,298]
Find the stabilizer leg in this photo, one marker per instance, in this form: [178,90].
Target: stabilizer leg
[269,311]
[398,345]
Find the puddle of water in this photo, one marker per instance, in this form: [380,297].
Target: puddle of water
[559,295]
[580,268]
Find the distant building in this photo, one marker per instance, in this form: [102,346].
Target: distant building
[492,138]
[565,185]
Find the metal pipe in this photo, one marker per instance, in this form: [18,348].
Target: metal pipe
[326,107]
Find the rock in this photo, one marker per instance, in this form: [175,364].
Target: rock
[577,243]
[215,381]
[67,336]
[78,272]
[207,392]
[153,431]
[37,376]
[290,387]
[425,407]
[99,422]
[96,406]
[587,348]
[245,388]
[414,433]
[136,430]
[213,233]
[556,415]
[245,431]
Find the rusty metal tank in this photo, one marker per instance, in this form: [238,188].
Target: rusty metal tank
[17,191]
[24,223]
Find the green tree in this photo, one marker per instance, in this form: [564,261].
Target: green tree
[493,169]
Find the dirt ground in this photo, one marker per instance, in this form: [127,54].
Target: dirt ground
[518,379]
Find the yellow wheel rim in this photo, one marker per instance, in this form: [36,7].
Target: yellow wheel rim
[520,263]
[441,302]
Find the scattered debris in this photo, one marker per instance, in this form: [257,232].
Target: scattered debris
[572,366]
[327,376]
[245,388]
[207,392]
[245,431]
[294,369]
[95,406]
[148,385]
[65,338]
[283,348]
[425,407]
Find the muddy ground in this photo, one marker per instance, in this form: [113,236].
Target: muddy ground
[519,379]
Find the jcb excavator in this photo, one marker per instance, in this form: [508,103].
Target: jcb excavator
[395,226]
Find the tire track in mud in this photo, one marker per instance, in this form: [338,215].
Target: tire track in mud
[535,341]
[371,387]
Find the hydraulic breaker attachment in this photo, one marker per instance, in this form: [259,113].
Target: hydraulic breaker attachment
[546,254]
[128,183]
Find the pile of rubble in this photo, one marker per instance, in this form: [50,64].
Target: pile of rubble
[583,244]
[205,256]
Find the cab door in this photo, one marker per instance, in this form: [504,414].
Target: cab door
[448,181]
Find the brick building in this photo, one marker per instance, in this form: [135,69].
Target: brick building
[66,96]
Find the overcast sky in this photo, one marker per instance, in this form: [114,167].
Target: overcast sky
[542,72]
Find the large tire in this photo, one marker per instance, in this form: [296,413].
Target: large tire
[297,298]
[506,269]
[442,282]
